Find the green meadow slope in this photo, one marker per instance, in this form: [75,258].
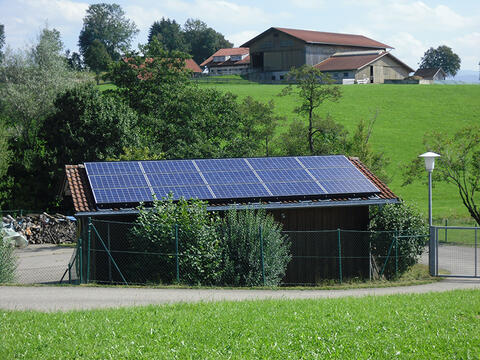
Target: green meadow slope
[405,113]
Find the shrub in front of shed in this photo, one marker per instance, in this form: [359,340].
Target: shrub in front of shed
[404,222]
[155,234]
[242,249]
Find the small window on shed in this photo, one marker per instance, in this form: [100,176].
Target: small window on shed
[273,77]
[345,74]
[281,77]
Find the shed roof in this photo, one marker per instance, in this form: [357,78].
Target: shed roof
[84,204]
[354,61]
[319,37]
[429,73]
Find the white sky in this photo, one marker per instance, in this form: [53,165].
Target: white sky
[410,26]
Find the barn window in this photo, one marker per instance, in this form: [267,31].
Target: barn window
[345,74]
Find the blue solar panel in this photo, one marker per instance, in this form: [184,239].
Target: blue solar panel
[113,168]
[168,166]
[133,182]
[358,186]
[230,177]
[296,188]
[109,196]
[222,165]
[178,179]
[274,163]
[336,174]
[319,162]
[117,181]
[239,191]
[287,175]
[187,192]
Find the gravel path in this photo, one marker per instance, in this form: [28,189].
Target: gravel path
[51,298]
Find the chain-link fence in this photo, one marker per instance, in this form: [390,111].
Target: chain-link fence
[113,253]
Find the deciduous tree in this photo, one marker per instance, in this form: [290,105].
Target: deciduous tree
[313,88]
[97,58]
[202,40]
[170,34]
[108,24]
[459,164]
[443,57]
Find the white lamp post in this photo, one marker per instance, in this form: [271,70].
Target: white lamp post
[429,166]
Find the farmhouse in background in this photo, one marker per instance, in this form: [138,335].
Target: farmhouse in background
[232,61]
[364,66]
[430,75]
[191,65]
[305,193]
[275,51]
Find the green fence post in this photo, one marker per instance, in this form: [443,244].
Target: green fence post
[339,256]
[88,247]
[396,254]
[80,249]
[261,255]
[21,212]
[176,253]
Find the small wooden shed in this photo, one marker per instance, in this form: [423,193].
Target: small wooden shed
[303,216]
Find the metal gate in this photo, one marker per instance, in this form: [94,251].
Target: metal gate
[454,251]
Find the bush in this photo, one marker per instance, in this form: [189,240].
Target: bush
[400,220]
[8,261]
[198,242]
[242,253]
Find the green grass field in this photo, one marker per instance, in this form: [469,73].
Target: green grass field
[405,113]
[427,326]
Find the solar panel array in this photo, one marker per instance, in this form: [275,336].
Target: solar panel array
[240,178]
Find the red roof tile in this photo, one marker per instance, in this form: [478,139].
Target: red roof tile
[227,52]
[190,64]
[320,37]
[79,188]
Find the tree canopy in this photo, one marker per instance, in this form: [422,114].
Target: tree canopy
[443,57]
[170,35]
[313,88]
[97,58]
[459,164]
[202,40]
[108,24]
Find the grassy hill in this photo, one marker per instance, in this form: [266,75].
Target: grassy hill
[405,113]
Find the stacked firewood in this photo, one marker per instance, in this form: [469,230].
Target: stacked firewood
[43,228]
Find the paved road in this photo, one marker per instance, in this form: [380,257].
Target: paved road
[457,260]
[51,298]
[42,263]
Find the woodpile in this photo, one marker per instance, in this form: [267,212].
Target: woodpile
[44,228]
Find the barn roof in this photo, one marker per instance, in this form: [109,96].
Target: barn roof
[84,202]
[354,61]
[230,52]
[319,37]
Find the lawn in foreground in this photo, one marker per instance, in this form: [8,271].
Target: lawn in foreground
[433,326]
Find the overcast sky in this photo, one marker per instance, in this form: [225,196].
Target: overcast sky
[410,26]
